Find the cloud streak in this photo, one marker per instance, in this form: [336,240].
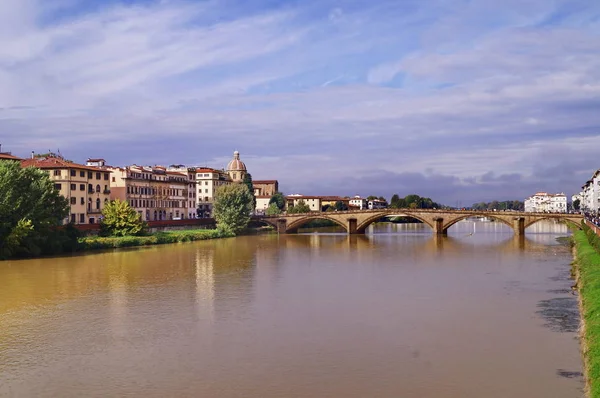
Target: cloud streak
[459,99]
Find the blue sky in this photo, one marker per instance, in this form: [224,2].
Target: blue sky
[462,101]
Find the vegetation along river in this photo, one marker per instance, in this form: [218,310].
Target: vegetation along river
[395,313]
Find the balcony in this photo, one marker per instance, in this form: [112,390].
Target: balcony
[94,211]
[106,192]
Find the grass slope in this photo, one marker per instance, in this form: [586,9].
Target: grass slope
[159,238]
[588,261]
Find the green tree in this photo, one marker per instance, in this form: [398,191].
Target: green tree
[120,219]
[279,199]
[341,206]
[273,210]
[395,201]
[31,209]
[248,182]
[371,197]
[300,207]
[232,207]
[576,204]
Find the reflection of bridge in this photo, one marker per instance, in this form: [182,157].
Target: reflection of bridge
[357,221]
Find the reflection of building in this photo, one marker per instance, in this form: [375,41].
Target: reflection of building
[590,194]
[87,188]
[154,192]
[544,202]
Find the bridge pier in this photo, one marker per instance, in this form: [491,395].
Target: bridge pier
[519,226]
[352,226]
[282,226]
[438,226]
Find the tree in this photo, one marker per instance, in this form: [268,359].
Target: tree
[273,210]
[395,201]
[31,209]
[232,207]
[248,182]
[341,206]
[120,219]
[278,199]
[371,197]
[300,207]
[576,204]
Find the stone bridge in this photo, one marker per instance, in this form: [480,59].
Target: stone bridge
[357,221]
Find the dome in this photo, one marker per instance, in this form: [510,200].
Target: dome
[236,164]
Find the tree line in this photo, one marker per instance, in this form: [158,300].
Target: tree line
[516,205]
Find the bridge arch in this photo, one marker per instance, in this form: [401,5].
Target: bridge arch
[465,216]
[294,225]
[571,221]
[362,227]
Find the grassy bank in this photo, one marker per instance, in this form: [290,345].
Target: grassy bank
[588,280]
[159,238]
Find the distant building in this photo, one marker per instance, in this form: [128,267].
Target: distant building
[315,203]
[358,202]
[87,188]
[543,202]
[207,181]
[153,191]
[376,204]
[236,168]
[590,194]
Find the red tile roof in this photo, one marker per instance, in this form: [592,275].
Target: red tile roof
[8,156]
[264,181]
[56,163]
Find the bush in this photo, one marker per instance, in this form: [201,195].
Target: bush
[120,219]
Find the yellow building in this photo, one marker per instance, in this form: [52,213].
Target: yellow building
[87,188]
[154,192]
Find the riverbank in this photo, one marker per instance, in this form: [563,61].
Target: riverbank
[158,238]
[587,260]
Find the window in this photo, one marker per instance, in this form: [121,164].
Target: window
[73,187]
[82,187]
[73,173]
[113,179]
[90,188]
[98,204]
[206,190]
[97,188]
[89,175]
[205,182]
[82,174]
[73,200]
[57,173]
[82,201]
[105,176]
[73,218]
[58,186]
[98,176]
[82,218]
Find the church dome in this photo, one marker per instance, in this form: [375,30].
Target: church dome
[236,164]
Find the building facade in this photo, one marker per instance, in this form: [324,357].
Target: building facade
[590,194]
[208,180]
[155,193]
[87,188]
[376,204]
[544,202]
[358,202]
[236,168]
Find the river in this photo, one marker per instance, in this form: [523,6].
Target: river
[395,313]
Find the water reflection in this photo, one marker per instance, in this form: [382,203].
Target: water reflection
[396,312]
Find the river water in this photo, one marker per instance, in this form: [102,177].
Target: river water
[395,313]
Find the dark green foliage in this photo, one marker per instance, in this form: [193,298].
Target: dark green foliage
[232,207]
[300,207]
[279,200]
[505,205]
[341,206]
[31,209]
[576,204]
[248,183]
[120,219]
[413,202]
[273,210]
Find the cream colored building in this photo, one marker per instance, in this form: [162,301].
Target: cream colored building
[544,202]
[155,193]
[207,182]
[358,202]
[86,188]
[190,173]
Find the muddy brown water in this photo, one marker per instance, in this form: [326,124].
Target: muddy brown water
[395,313]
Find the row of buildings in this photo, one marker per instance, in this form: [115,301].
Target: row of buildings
[589,197]
[544,202]
[155,192]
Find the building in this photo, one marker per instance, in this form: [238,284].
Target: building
[358,202]
[376,204]
[154,192]
[87,188]
[263,192]
[544,202]
[190,173]
[236,168]
[590,194]
[207,182]
[7,155]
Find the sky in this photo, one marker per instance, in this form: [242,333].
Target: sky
[459,100]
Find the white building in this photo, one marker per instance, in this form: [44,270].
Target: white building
[544,202]
[590,194]
[359,202]
[377,204]
[207,181]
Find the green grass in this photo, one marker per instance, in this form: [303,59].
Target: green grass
[159,238]
[588,262]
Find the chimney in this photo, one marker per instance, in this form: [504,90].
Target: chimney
[32,153]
